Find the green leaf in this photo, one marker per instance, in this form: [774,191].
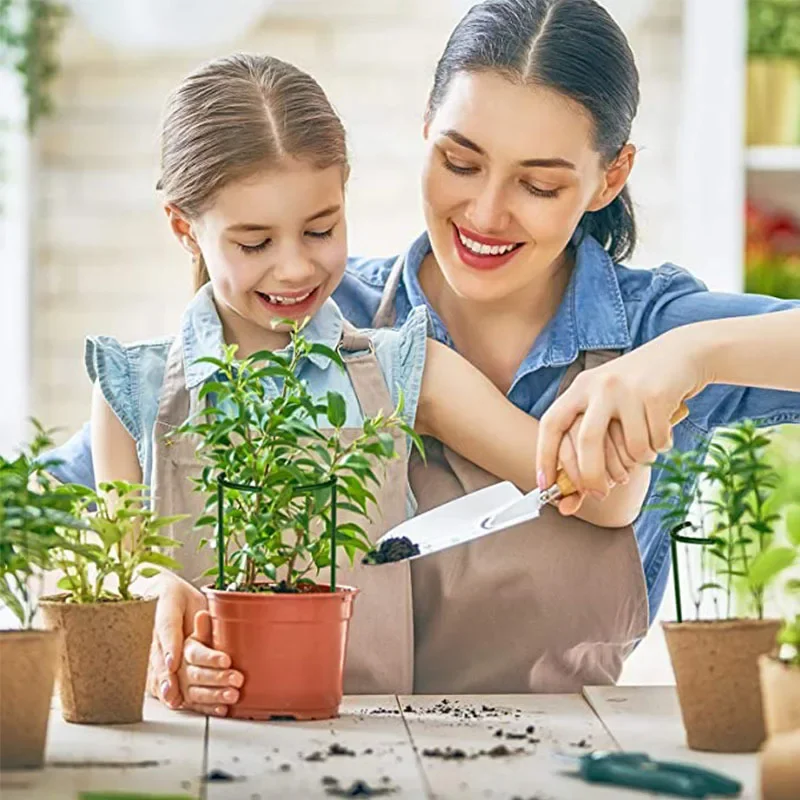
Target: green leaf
[154,540]
[160,560]
[337,409]
[149,572]
[765,566]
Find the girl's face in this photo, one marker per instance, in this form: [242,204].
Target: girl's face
[509,172]
[275,245]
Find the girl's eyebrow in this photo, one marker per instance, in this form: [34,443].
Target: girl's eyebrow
[244,227]
[459,138]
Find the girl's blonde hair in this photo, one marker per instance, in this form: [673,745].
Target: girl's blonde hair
[236,115]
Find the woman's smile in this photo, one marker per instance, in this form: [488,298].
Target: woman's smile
[483,252]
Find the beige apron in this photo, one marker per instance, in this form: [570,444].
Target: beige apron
[547,606]
[381,642]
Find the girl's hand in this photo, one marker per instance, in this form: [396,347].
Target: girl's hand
[631,400]
[179,664]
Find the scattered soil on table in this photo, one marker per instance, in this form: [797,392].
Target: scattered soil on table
[408,710]
[359,788]
[219,776]
[457,754]
[583,743]
[315,756]
[285,767]
[337,749]
[396,549]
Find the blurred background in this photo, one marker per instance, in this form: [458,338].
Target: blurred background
[84,245]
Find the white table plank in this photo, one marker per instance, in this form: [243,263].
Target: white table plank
[561,723]
[257,754]
[648,719]
[164,754]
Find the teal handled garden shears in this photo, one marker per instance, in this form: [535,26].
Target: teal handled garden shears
[639,771]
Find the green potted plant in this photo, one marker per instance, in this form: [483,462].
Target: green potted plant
[105,627]
[780,672]
[773,72]
[276,471]
[33,513]
[721,501]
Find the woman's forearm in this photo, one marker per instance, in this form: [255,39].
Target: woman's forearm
[461,407]
[761,351]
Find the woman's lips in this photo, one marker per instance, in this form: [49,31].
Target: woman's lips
[288,310]
[504,249]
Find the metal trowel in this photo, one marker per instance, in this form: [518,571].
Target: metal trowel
[481,513]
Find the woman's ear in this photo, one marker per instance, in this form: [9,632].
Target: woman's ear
[614,178]
[181,229]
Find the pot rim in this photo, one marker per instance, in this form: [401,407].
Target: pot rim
[59,600]
[736,623]
[26,633]
[282,596]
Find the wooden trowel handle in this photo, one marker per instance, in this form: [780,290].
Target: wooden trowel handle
[566,486]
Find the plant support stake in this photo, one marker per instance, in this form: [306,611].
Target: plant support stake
[676,537]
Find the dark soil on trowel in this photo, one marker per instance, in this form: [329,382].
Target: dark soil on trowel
[390,550]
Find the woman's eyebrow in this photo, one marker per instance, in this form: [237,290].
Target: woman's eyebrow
[459,138]
[245,227]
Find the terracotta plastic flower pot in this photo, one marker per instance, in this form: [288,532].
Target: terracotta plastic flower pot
[102,669]
[716,671]
[289,647]
[27,672]
[780,692]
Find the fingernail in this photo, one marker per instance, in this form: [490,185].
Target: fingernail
[169,661]
[597,495]
[164,689]
[235,679]
[220,711]
[541,480]
[230,695]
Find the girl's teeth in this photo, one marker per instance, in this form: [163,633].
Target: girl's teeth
[280,300]
[485,249]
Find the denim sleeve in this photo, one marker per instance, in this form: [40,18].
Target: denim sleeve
[107,364]
[71,462]
[401,353]
[675,298]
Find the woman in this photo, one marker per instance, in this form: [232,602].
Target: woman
[528,218]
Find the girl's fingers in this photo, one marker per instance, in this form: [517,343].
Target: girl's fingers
[618,438]
[617,474]
[163,685]
[555,423]
[570,505]
[636,431]
[204,695]
[199,655]
[591,448]
[202,676]
[568,460]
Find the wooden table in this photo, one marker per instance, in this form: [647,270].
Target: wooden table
[394,739]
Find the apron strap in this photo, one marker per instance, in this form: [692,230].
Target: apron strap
[364,370]
[385,315]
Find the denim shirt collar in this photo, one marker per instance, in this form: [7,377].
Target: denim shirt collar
[201,335]
[591,315]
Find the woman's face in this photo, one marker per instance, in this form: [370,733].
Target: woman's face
[275,245]
[509,172]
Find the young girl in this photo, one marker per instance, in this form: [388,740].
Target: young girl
[253,170]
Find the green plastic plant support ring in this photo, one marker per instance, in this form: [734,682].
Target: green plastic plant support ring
[676,537]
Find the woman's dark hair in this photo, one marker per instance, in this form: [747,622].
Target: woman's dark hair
[573,47]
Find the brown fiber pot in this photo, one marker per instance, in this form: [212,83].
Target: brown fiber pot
[27,672]
[289,647]
[780,692]
[716,672]
[105,649]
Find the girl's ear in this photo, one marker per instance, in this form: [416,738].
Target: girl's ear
[181,229]
[614,178]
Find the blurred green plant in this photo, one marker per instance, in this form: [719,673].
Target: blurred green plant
[29,32]
[777,277]
[773,28]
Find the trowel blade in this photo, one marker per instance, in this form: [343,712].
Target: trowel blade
[467,518]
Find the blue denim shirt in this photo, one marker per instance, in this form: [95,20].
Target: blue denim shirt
[131,376]
[606,306]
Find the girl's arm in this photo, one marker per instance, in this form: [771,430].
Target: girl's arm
[461,407]
[113,448]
